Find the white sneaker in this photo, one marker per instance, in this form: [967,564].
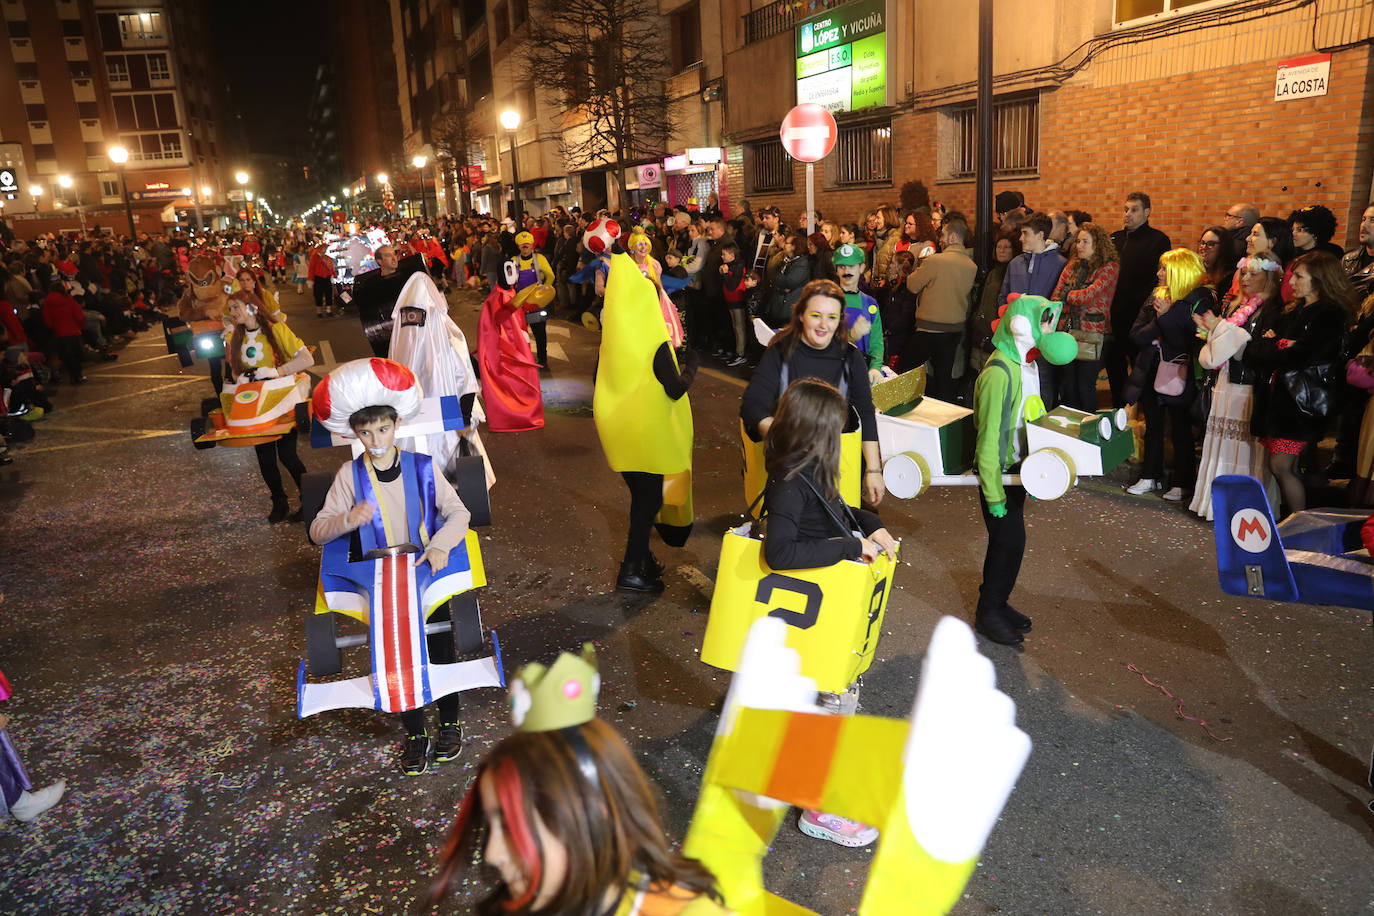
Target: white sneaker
[836,829]
[31,804]
[1142,486]
[1174,494]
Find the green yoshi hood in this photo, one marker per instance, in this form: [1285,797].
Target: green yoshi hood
[1024,330]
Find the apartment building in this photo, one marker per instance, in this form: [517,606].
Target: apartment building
[93,74]
[1200,104]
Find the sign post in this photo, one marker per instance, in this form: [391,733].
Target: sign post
[808,134]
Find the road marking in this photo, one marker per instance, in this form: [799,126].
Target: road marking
[327,351]
[556,351]
[54,427]
[723,377]
[135,394]
[558,330]
[115,378]
[697,578]
[59,448]
[134,363]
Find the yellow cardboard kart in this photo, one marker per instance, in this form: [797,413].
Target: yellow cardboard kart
[834,614]
[756,474]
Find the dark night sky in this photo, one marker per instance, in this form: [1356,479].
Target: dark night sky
[268,51]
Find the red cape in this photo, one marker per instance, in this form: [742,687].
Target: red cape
[510,376]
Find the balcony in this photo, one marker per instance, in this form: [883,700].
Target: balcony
[22,49]
[96,163]
[91,131]
[40,132]
[83,89]
[76,48]
[775,18]
[31,92]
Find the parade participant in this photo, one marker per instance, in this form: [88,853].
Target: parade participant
[249,282]
[15,797]
[510,376]
[862,321]
[564,814]
[320,276]
[644,418]
[392,497]
[809,526]
[535,272]
[205,299]
[638,247]
[255,356]
[810,347]
[1005,397]
[300,267]
[426,341]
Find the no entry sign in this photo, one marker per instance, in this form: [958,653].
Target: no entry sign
[808,133]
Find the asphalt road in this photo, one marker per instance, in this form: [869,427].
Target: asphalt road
[152,625]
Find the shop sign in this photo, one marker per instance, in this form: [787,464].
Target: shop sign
[1302,77]
[476,176]
[675,163]
[650,176]
[156,186]
[164,193]
[707,155]
[842,57]
[9,183]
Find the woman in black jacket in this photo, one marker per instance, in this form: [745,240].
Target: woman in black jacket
[812,347]
[1297,355]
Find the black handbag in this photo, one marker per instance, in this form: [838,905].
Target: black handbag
[1312,388]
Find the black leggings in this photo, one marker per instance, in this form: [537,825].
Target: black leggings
[283,450]
[540,333]
[324,293]
[441,652]
[72,353]
[646,498]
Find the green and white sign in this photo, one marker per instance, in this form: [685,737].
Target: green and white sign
[842,57]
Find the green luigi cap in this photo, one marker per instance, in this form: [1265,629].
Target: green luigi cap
[849,254]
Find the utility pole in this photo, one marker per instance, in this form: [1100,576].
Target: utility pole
[983,188]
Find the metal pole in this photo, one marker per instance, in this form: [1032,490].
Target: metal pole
[128,210]
[983,193]
[810,195]
[424,208]
[515,174]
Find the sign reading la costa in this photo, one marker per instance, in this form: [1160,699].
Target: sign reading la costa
[1302,77]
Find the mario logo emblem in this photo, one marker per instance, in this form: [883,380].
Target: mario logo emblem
[246,397]
[1250,530]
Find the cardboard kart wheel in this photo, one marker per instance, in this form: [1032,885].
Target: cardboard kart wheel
[184,357]
[314,488]
[322,645]
[1048,473]
[302,414]
[470,480]
[1118,417]
[906,475]
[209,404]
[198,430]
[467,625]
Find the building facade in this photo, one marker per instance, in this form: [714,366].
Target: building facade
[94,74]
[1093,99]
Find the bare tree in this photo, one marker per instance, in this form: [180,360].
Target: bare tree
[607,60]
[452,139]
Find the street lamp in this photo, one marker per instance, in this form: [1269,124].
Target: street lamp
[242,179]
[35,191]
[419,163]
[119,155]
[510,120]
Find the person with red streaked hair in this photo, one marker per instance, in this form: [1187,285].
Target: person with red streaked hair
[570,823]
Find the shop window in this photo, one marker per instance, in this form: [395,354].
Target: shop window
[767,167]
[862,155]
[1129,10]
[1015,139]
[685,37]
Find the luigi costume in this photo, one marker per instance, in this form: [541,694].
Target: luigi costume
[862,322]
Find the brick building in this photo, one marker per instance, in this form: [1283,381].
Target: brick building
[93,74]
[1093,98]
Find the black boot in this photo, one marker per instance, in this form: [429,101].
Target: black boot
[1020,622]
[279,509]
[654,568]
[998,629]
[634,578]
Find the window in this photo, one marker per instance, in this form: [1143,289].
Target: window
[119,69]
[109,187]
[71,28]
[19,29]
[500,23]
[87,110]
[685,38]
[578,79]
[79,69]
[519,12]
[36,112]
[137,29]
[1128,10]
[862,155]
[479,74]
[171,146]
[1015,139]
[767,167]
[43,151]
[26,71]
[157,67]
[94,150]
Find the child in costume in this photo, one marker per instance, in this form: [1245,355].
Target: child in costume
[1006,395]
[391,497]
[260,347]
[534,270]
[644,418]
[570,822]
[510,376]
[205,299]
[862,321]
[807,526]
[15,797]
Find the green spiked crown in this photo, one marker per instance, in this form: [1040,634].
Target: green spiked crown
[562,695]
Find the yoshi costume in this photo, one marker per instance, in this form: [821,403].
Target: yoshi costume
[861,318]
[643,416]
[1006,395]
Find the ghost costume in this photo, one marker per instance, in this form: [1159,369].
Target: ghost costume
[437,352]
